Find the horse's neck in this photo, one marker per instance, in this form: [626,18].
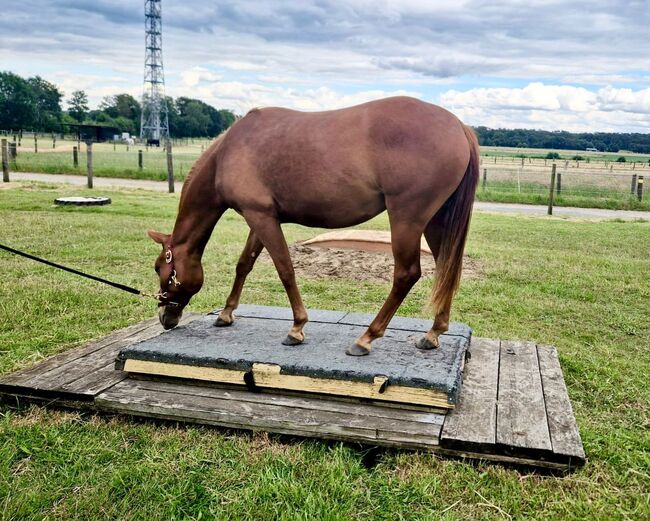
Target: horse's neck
[199,208]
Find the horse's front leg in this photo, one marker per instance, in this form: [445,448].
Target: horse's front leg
[247,259]
[405,239]
[269,232]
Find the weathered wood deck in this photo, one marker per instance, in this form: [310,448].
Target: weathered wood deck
[513,405]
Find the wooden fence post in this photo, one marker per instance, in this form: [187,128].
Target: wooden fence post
[5,162]
[13,151]
[170,168]
[484,178]
[89,163]
[558,183]
[53,141]
[35,144]
[552,190]
[639,188]
[140,160]
[75,157]
[633,186]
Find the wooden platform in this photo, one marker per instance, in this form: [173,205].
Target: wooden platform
[513,406]
[249,353]
[364,240]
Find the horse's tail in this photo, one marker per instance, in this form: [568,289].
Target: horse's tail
[455,215]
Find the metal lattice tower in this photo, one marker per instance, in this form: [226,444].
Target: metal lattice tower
[154,122]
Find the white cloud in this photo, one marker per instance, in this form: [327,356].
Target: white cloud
[553,107]
[196,75]
[242,96]
[317,54]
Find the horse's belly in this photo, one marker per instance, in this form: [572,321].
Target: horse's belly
[336,207]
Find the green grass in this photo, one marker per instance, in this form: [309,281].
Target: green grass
[582,286]
[537,193]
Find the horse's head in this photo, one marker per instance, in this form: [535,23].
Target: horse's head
[181,277]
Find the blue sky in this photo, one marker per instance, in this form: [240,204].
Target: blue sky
[552,64]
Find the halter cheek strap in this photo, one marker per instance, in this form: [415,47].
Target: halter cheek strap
[162,296]
[169,259]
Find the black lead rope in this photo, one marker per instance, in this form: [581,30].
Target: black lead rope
[117,285]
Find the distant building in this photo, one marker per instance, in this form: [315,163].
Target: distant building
[591,149]
[94,133]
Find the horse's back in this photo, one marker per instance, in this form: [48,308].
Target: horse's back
[303,162]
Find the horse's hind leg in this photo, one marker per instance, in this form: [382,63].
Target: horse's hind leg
[245,264]
[269,232]
[433,236]
[405,239]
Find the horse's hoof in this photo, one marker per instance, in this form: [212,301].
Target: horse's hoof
[220,322]
[357,350]
[291,341]
[425,344]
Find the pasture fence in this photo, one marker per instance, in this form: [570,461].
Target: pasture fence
[89,163]
[591,181]
[575,182]
[5,161]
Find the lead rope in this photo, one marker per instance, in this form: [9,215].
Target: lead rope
[158,296]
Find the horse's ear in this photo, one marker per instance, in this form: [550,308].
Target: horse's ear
[158,237]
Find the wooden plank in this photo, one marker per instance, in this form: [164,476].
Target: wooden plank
[521,410]
[269,375]
[474,419]
[565,437]
[131,397]
[23,375]
[96,381]
[57,377]
[501,458]
[85,371]
[191,372]
[299,402]
[293,416]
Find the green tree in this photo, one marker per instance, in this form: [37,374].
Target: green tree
[78,105]
[121,105]
[47,104]
[17,103]
[194,118]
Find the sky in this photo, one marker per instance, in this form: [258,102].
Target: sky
[548,64]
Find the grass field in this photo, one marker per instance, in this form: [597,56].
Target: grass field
[582,286]
[600,182]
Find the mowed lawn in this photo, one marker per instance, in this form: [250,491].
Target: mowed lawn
[582,286]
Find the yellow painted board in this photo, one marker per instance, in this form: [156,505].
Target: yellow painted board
[270,376]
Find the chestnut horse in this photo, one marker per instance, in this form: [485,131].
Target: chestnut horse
[330,170]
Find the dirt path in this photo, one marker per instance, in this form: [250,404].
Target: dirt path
[501,208]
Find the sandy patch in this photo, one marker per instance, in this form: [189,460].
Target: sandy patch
[324,263]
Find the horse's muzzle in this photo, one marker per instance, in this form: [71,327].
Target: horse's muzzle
[169,316]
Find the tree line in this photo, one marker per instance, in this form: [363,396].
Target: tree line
[35,104]
[562,140]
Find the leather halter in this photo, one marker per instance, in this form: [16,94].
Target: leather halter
[172,282]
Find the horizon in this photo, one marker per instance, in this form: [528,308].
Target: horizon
[548,65]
